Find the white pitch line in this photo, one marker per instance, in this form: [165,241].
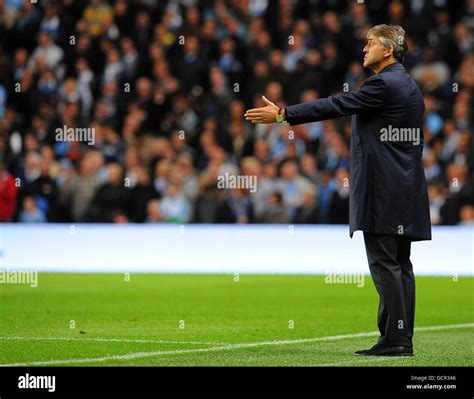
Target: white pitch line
[365,360]
[98,339]
[137,355]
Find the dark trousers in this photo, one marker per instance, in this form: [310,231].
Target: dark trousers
[392,273]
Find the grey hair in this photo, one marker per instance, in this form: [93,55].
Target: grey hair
[392,36]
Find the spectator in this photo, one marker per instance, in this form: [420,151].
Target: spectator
[47,53]
[236,208]
[153,212]
[326,192]
[8,192]
[30,212]
[307,212]
[95,16]
[82,189]
[111,198]
[339,207]
[174,206]
[467,215]
[275,211]
[141,194]
[292,186]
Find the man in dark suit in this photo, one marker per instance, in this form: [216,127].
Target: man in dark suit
[388,196]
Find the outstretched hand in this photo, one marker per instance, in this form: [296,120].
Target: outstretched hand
[265,114]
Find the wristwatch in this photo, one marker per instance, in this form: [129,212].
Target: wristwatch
[280,117]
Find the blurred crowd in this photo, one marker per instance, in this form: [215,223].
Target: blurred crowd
[164,85]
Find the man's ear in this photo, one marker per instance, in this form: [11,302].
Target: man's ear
[388,52]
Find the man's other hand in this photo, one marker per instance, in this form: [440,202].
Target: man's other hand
[265,114]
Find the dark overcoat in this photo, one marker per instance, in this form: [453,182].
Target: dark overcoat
[388,192]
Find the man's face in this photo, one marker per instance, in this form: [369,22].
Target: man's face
[373,52]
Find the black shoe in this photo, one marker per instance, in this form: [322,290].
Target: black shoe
[363,352]
[386,350]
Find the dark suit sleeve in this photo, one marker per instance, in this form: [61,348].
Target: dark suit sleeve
[368,98]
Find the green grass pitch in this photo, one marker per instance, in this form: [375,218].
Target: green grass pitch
[213,320]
